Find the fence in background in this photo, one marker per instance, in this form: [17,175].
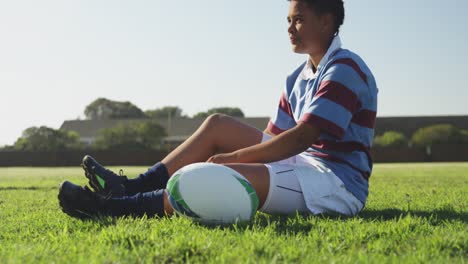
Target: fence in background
[437,153]
[73,158]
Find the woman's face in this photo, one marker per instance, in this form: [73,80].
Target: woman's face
[306,29]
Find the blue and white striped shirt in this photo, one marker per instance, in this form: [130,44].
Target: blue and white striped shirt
[340,98]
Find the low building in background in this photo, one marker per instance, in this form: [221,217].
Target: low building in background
[178,130]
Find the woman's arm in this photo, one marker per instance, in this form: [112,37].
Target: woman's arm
[267,131]
[282,146]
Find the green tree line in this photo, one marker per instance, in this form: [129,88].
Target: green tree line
[423,137]
[103,108]
[148,134]
[143,134]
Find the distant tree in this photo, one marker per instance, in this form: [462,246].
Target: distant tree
[231,111]
[103,108]
[151,134]
[435,134]
[464,134]
[201,115]
[165,112]
[7,148]
[47,139]
[391,139]
[135,135]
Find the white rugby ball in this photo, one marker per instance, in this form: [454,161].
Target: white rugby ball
[212,194]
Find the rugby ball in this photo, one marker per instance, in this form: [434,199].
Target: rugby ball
[212,194]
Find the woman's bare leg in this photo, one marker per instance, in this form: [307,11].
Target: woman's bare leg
[256,174]
[217,134]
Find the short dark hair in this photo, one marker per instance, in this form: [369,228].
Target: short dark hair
[334,7]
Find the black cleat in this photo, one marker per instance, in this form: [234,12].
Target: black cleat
[80,202]
[103,181]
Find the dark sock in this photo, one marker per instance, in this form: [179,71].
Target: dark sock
[149,203]
[155,178]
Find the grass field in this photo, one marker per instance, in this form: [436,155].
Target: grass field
[416,213]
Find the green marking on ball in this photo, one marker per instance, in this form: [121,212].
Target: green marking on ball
[252,193]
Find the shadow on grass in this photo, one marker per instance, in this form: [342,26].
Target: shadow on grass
[27,188]
[304,223]
[434,217]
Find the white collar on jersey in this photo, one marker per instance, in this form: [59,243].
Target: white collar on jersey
[308,73]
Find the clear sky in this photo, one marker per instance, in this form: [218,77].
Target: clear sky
[57,56]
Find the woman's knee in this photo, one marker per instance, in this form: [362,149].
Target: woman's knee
[230,134]
[215,120]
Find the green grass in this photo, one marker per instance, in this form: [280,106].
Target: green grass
[416,213]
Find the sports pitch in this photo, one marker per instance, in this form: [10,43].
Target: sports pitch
[416,213]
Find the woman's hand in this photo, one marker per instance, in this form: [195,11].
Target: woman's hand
[223,158]
[287,144]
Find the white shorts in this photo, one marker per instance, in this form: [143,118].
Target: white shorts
[301,183]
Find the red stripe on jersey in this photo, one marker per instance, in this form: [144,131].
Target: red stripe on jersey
[274,129]
[365,118]
[345,146]
[339,94]
[285,106]
[354,65]
[324,125]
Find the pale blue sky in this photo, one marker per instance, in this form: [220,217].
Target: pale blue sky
[56,56]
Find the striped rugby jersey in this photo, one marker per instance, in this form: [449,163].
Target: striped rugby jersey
[340,98]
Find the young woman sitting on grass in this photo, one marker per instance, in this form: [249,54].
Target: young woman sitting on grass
[313,157]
